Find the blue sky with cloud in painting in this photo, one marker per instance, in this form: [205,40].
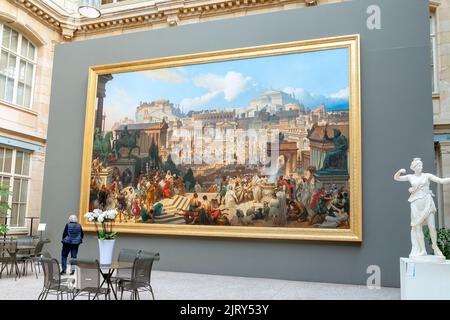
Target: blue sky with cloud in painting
[314,77]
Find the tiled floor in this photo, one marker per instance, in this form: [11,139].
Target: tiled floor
[189,286]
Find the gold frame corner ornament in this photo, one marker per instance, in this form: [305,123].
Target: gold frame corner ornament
[353,234]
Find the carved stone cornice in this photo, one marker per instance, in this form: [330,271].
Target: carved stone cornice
[45,13]
[167,12]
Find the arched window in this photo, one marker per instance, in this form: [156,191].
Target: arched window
[17,67]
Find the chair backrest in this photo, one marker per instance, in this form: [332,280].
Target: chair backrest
[52,278]
[142,269]
[88,274]
[126,255]
[39,246]
[152,255]
[148,254]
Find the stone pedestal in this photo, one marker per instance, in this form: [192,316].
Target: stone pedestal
[124,163]
[327,180]
[428,259]
[267,190]
[424,280]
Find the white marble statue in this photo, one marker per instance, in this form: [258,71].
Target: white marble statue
[422,209]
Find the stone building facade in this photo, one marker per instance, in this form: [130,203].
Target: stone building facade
[440,44]
[43,23]
[27,46]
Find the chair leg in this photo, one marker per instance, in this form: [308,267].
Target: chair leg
[34,267]
[121,293]
[16,267]
[46,294]
[40,294]
[3,268]
[151,291]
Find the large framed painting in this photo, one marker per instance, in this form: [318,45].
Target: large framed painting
[257,142]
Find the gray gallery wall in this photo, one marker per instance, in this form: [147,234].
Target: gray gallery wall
[396,125]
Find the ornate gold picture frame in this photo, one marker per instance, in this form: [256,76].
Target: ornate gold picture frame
[301,98]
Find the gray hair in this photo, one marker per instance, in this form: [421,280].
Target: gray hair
[415,163]
[73,218]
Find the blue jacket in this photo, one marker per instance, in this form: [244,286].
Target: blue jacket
[73,233]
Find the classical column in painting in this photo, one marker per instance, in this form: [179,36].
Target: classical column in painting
[289,151]
[101,94]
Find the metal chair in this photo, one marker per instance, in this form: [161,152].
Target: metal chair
[140,279]
[125,255]
[22,257]
[88,279]
[8,251]
[34,257]
[4,257]
[53,284]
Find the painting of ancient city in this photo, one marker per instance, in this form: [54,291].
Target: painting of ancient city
[254,142]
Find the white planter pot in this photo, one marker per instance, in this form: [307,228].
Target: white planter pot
[106,249]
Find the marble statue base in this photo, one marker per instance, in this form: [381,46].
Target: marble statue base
[428,259]
[424,280]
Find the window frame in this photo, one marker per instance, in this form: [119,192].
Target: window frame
[19,57]
[434,51]
[12,176]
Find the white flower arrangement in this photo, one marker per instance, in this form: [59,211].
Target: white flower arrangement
[106,219]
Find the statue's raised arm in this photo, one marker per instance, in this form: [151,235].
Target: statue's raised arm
[398,175]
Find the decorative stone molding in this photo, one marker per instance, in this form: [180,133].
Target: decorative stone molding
[68,31]
[43,12]
[169,12]
[172,18]
[434,4]
[310,3]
